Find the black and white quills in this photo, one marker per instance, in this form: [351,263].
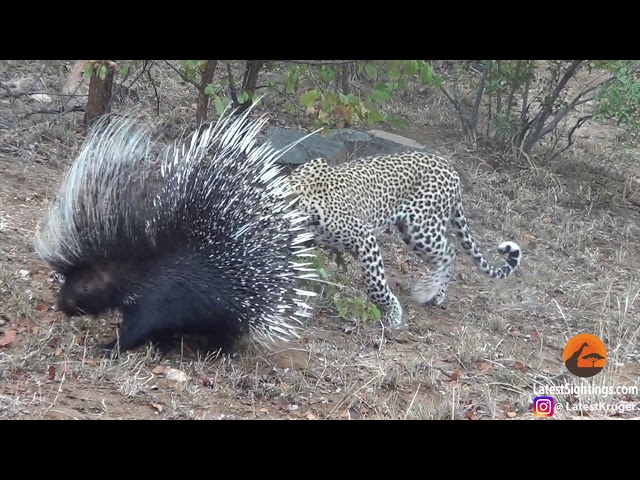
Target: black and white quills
[200,236]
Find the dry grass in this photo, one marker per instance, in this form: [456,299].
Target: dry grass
[481,357]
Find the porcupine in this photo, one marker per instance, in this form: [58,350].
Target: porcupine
[193,237]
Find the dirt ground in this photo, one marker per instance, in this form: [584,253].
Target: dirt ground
[482,357]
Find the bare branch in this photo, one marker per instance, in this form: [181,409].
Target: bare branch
[578,100]
[182,75]
[320,62]
[476,106]
[570,140]
[144,67]
[512,92]
[51,94]
[291,99]
[155,90]
[60,110]
[545,112]
[459,110]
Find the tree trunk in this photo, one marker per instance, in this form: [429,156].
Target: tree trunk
[203,98]
[250,80]
[344,79]
[100,88]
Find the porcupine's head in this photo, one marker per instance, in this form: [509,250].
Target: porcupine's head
[98,230]
[96,288]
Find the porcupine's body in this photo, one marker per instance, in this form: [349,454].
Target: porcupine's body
[197,237]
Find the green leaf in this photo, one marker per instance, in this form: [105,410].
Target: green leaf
[124,72]
[289,107]
[209,90]
[309,98]
[87,71]
[292,80]
[375,117]
[243,97]
[426,75]
[328,75]
[411,67]
[102,72]
[371,70]
[394,73]
[380,93]
[399,122]
[375,313]
[219,105]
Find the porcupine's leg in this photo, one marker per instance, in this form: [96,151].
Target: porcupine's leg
[176,308]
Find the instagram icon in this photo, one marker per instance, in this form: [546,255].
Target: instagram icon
[543,406]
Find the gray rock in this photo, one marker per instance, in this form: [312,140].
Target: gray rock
[375,142]
[313,147]
[397,139]
[339,145]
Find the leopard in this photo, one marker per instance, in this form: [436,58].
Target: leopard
[348,205]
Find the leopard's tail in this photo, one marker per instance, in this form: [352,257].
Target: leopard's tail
[465,239]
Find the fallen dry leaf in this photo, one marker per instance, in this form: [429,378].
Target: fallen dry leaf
[15,389]
[8,337]
[310,416]
[157,406]
[59,351]
[511,414]
[41,97]
[41,307]
[175,375]
[264,410]
[158,370]
[404,267]
[471,416]
[51,372]
[535,335]
[345,414]
[518,365]
[206,381]
[484,365]
[455,375]
[527,238]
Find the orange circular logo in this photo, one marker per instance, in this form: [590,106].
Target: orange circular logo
[585,355]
